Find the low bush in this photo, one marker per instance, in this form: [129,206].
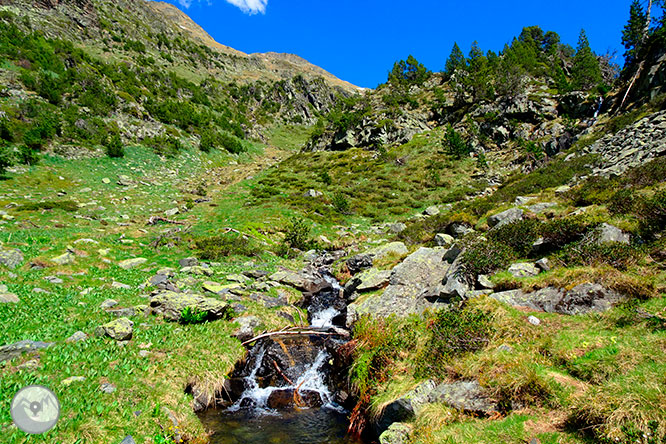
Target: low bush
[519,235]
[559,232]
[652,215]
[27,156]
[163,145]
[590,253]
[113,145]
[486,256]
[6,158]
[223,245]
[340,203]
[453,333]
[231,144]
[65,205]
[297,234]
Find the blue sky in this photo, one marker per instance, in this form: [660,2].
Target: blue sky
[358,40]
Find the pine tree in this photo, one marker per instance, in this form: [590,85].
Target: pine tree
[632,35]
[585,72]
[455,61]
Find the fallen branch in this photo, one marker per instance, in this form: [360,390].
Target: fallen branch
[281,373]
[154,219]
[282,333]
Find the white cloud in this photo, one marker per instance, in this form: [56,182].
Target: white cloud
[250,6]
[247,6]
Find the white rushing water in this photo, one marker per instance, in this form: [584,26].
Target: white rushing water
[324,318]
[313,378]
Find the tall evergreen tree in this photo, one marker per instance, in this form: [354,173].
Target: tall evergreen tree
[632,34]
[585,72]
[455,61]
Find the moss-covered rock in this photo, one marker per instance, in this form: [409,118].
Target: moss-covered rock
[120,329]
[171,305]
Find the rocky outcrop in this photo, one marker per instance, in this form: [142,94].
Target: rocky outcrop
[377,130]
[630,147]
[171,305]
[466,396]
[410,282]
[505,217]
[584,298]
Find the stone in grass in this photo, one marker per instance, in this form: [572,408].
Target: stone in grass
[128,264]
[119,329]
[108,304]
[485,282]
[64,259]
[397,433]
[431,211]
[107,388]
[11,351]
[523,269]
[197,270]
[11,258]
[505,217]
[8,298]
[72,379]
[171,212]
[188,262]
[398,227]
[106,180]
[120,285]
[534,320]
[543,264]
[77,337]
[610,233]
[443,240]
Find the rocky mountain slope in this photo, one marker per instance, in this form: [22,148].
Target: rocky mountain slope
[497,231]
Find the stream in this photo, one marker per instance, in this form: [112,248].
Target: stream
[287,389]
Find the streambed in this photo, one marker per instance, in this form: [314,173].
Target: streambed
[290,387]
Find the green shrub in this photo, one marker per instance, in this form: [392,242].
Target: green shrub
[231,144]
[623,202]
[227,244]
[559,232]
[595,191]
[208,140]
[6,132]
[297,234]
[65,205]
[486,256]
[113,146]
[455,144]
[6,158]
[33,139]
[453,333]
[191,315]
[27,156]
[519,235]
[163,145]
[340,203]
[652,215]
[325,177]
[589,252]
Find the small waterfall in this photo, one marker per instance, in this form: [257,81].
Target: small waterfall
[290,389]
[293,371]
[596,113]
